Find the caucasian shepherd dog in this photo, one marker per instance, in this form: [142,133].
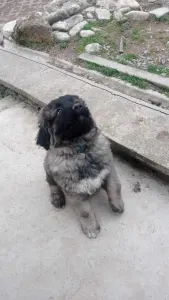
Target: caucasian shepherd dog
[79,160]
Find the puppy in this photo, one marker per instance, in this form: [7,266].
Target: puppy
[79,161]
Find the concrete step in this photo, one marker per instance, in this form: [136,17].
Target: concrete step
[136,127]
[7,102]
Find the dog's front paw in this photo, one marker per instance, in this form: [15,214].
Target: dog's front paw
[117,206]
[91,229]
[58,201]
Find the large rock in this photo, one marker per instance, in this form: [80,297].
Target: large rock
[86,33]
[61,36]
[102,14]
[63,13]
[32,29]
[77,28]
[66,25]
[117,4]
[133,4]
[8,29]
[93,48]
[159,12]
[137,15]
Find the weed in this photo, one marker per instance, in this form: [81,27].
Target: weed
[121,60]
[97,38]
[139,82]
[63,45]
[88,26]
[130,56]
[158,69]
[137,34]
[164,18]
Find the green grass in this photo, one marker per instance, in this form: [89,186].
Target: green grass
[158,69]
[130,56]
[137,33]
[63,45]
[164,19]
[141,83]
[105,36]
[99,37]
[90,24]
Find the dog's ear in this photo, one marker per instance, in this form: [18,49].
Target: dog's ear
[43,136]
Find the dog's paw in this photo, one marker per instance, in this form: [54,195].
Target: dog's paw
[58,201]
[91,230]
[117,207]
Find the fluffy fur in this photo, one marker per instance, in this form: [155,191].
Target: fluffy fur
[79,161]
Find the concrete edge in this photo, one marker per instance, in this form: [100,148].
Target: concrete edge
[154,79]
[148,96]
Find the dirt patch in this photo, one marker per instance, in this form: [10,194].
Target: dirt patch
[136,187]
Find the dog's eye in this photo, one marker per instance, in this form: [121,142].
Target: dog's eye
[59,111]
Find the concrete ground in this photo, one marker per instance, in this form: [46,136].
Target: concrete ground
[43,253]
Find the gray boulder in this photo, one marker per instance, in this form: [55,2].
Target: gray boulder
[8,29]
[93,48]
[159,12]
[113,5]
[66,25]
[133,4]
[102,14]
[61,36]
[63,13]
[32,29]
[137,15]
[57,4]
[77,28]
[86,33]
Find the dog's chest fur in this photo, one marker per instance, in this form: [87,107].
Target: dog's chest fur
[81,167]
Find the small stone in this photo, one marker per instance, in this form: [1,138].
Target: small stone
[86,33]
[168,43]
[93,48]
[102,14]
[145,52]
[66,25]
[77,28]
[159,12]
[8,29]
[61,36]
[137,15]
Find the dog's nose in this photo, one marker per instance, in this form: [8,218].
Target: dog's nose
[77,107]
